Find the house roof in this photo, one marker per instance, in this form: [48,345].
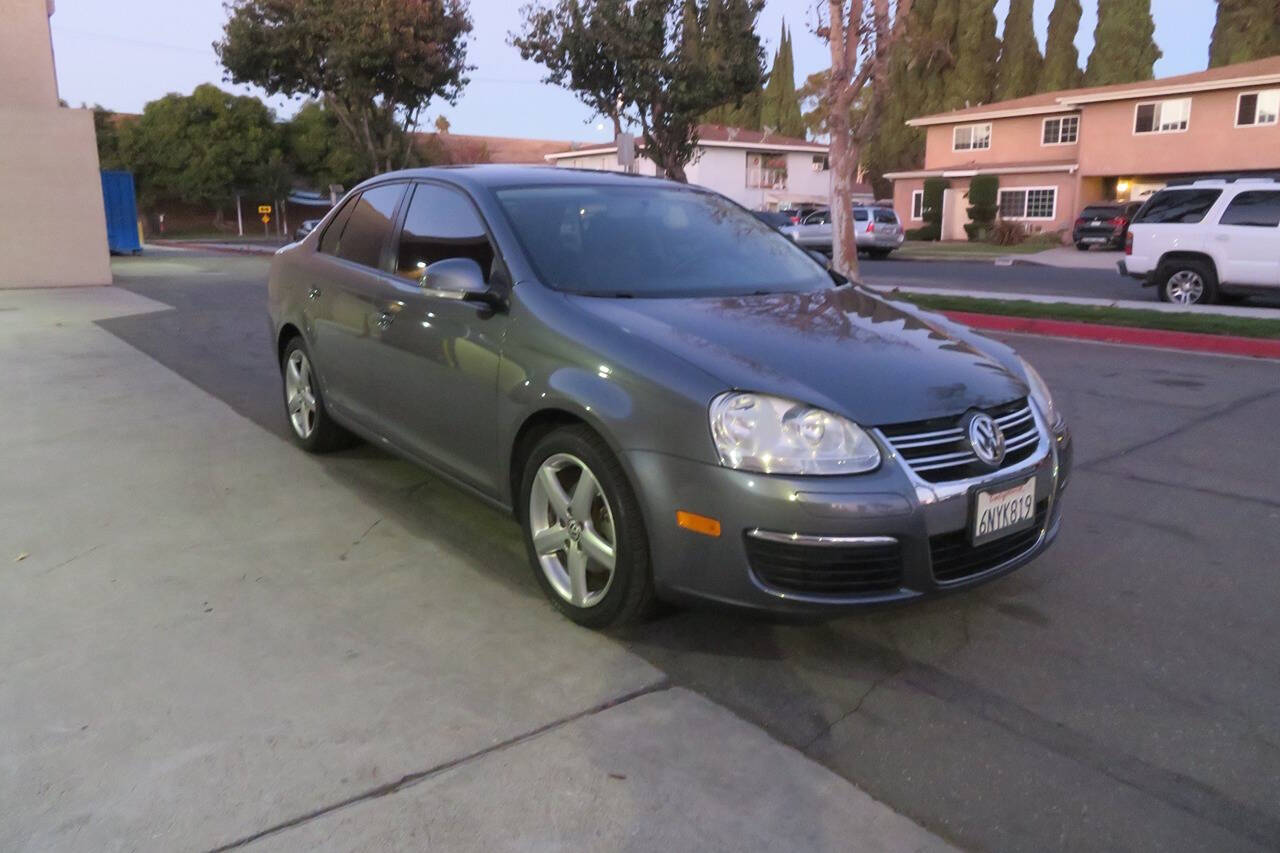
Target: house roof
[1242,74]
[711,136]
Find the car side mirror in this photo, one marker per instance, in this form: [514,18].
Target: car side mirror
[458,278]
[823,260]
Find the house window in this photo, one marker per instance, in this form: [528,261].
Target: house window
[1029,203]
[917,205]
[1061,131]
[821,163]
[970,137]
[1258,108]
[1170,116]
[767,171]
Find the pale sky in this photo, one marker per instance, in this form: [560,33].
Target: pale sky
[124,53]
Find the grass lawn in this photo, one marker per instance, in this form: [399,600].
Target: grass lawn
[962,250]
[1209,324]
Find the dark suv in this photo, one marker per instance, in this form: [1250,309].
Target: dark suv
[1104,225]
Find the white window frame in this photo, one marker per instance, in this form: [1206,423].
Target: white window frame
[971,147]
[1024,217]
[1156,118]
[756,175]
[1060,120]
[917,205]
[1256,123]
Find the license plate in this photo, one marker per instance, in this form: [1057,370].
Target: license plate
[1094,240]
[1096,222]
[999,513]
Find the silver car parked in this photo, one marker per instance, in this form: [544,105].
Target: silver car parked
[876,230]
[674,400]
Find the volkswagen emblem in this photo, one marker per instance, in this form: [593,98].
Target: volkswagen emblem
[986,438]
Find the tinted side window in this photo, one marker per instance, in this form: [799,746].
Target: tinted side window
[1256,208]
[370,225]
[441,223]
[859,215]
[1170,206]
[886,217]
[333,233]
[822,217]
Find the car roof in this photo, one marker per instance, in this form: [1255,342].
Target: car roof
[497,175]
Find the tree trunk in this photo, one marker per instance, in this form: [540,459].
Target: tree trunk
[844,166]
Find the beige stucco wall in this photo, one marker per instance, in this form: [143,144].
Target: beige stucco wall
[1211,142]
[1071,196]
[52,227]
[1013,140]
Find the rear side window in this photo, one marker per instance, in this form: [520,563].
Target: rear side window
[1260,209]
[441,223]
[859,215]
[333,233]
[1178,206]
[886,217]
[1099,211]
[369,225]
[822,217]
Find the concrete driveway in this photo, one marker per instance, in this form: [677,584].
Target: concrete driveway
[214,636]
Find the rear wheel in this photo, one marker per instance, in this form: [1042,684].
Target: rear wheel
[1083,247]
[583,530]
[1188,282]
[310,425]
[878,254]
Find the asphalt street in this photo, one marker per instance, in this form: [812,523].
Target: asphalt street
[1020,277]
[1119,693]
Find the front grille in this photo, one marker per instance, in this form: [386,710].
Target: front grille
[826,570]
[938,451]
[954,558]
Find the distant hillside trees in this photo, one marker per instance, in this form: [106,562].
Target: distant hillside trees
[1245,30]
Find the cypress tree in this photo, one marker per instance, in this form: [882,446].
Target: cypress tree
[1245,30]
[780,106]
[1061,59]
[976,49]
[1018,72]
[1124,48]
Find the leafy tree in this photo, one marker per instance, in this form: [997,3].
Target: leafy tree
[375,63]
[861,40]
[972,80]
[107,131]
[780,109]
[1124,48]
[1018,72]
[1245,30]
[202,147]
[662,64]
[1061,59]
[318,149]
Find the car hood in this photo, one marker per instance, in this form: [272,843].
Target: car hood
[842,349]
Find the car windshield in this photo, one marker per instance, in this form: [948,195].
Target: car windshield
[653,241]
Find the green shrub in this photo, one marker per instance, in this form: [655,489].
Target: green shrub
[984,191]
[1007,233]
[931,233]
[932,201]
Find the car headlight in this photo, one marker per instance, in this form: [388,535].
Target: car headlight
[757,432]
[1040,393]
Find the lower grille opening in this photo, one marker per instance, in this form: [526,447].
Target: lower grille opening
[954,558]
[836,571]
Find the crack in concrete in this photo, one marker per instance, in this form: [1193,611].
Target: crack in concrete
[71,560]
[1152,481]
[359,539]
[411,779]
[857,706]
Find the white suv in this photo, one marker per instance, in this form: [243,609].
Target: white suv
[1199,241]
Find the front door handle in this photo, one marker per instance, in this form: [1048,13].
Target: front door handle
[313,293]
[385,319]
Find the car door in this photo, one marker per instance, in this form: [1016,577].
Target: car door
[1247,238]
[346,289]
[439,355]
[817,229]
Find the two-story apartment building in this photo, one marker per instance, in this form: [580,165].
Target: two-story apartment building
[1058,151]
[759,170]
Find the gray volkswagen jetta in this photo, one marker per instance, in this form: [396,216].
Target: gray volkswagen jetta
[674,400]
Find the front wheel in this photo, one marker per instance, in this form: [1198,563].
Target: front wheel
[1188,283]
[583,530]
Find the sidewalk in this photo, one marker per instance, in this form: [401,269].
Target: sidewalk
[1069,257]
[210,638]
[1134,304]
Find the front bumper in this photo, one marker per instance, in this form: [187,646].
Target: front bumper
[889,503]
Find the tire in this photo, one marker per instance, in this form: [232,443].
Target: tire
[570,537]
[1082,247]
[311,427]
[1189,282]
[878,254]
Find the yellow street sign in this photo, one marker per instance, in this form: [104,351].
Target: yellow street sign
[265,218]
[264,208]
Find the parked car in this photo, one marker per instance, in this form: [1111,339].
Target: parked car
[800,212]
[673,399]
[1104,225]
[307,226]
[876,231]
[1199,242]
[774,218]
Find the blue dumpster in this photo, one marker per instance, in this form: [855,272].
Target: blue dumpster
[122,213]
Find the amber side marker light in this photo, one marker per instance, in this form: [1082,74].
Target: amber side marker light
[697,523]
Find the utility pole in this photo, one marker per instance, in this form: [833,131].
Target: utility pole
[239,217]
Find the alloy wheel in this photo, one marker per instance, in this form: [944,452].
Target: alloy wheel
[1185,287]
[573,531]
[299,394]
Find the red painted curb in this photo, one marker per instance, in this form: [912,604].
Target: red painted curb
[1192,341]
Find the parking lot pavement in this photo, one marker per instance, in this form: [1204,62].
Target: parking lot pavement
[208,638]
[1119,693]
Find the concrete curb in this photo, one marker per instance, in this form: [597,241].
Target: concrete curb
[247,249]
[1189,341]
